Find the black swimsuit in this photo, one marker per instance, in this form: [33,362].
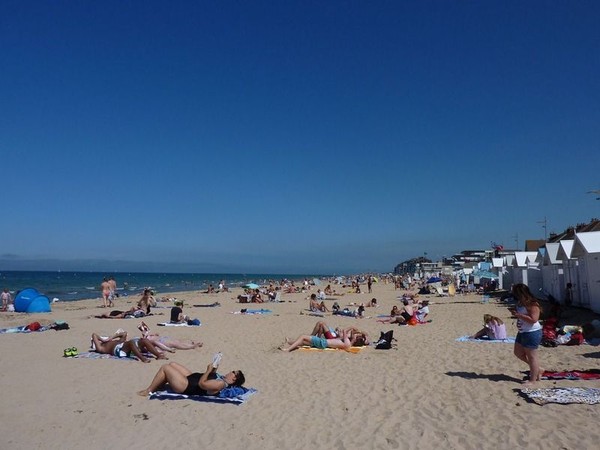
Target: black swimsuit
[193,380]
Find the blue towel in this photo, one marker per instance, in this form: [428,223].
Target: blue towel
[228,397]
[233,391]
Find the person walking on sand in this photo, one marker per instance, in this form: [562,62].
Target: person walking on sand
[105,287]
[6,299]
[529,335]
[113,289]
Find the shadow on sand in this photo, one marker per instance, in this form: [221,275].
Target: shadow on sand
[483,376]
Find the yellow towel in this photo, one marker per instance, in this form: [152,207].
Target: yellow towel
[313,349]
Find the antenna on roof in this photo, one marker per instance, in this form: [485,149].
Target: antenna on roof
[545,227]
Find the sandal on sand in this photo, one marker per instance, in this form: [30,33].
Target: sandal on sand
[69,352]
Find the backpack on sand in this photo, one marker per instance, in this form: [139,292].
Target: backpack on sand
[385,340]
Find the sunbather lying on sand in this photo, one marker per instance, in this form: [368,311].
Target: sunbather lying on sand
[116,314]
[183,381]
[166,343]
[393,313]
[119,346]
[341,342]
[357,337]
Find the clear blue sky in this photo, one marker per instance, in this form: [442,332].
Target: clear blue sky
[291,137]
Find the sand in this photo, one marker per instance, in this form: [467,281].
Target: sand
[429,392]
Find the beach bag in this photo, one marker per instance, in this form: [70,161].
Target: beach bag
[576,339]
[385,340]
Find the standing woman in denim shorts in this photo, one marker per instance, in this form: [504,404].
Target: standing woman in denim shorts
[529,336]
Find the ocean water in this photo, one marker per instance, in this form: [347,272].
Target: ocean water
[69,286]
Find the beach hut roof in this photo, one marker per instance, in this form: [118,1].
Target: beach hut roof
[510,259]
[539,257]
[551,254]
[522,259]
[585,243]
[564,253]
[498,262]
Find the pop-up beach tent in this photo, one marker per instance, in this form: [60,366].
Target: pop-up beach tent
[31,301]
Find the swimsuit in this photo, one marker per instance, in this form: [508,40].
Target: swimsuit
[330,334]
[120,353]
[193,380]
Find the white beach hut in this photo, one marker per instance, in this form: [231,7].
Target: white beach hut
[552,270]
[498,265]
[525,270]
[570,272]
[586,248]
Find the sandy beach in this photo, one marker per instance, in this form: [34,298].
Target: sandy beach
[430,391]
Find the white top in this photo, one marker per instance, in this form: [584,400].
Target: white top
[526,327]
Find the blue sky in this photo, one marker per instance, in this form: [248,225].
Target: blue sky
[292,137]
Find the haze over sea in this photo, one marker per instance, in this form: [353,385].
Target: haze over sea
[68,286]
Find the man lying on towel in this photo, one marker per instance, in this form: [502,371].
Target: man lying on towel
[341,342]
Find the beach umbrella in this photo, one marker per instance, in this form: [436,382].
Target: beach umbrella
[251,286]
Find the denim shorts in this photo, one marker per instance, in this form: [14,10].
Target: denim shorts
[531,339]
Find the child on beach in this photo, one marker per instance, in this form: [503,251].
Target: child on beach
[493,328]
[6,299]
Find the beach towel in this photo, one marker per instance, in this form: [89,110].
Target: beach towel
[312,313]
[306,348]
[588,396]
[96,355]
[252,311]
[169,324]
[233,394]
[592,374]
[508,340]
[210,305]
[21,329]
[35,326]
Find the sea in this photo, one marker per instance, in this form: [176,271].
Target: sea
[72,286]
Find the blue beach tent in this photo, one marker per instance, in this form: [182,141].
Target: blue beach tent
[31,301]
